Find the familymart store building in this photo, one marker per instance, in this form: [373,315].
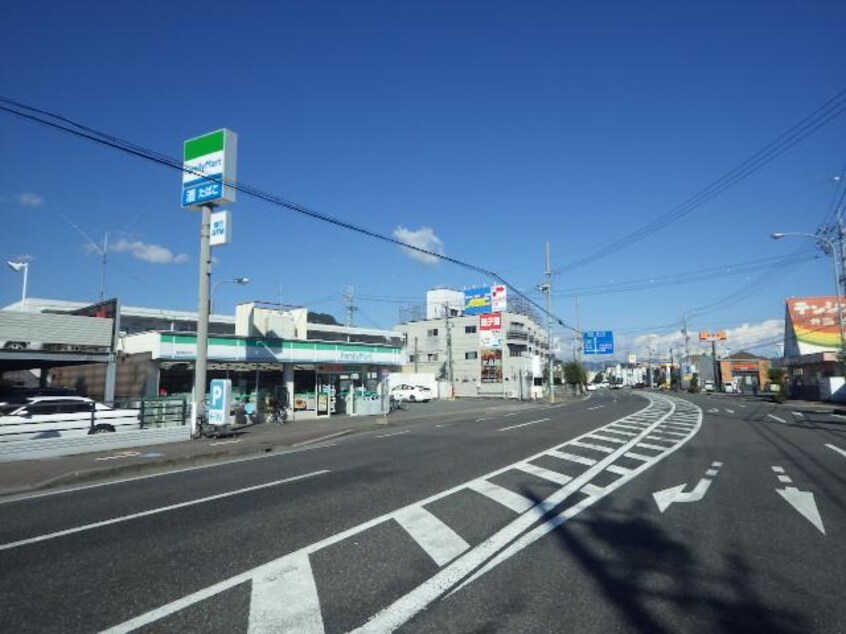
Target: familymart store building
[312,378]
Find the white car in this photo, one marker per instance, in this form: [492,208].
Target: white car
[412,393]
[62,417]
[590,387]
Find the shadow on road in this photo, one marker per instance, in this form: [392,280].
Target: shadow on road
[658,584]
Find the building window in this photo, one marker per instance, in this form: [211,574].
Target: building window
[433,356]
[412,358]
[432,332]
[469,330]
[471,355]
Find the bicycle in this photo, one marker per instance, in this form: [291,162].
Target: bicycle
[278,415]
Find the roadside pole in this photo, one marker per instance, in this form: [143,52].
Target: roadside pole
[201,362]
[208,174]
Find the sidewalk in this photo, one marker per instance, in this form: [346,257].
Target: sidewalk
[52,473]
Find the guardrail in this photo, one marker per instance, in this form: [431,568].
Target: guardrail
[54,447]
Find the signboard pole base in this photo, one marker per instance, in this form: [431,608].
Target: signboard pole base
[201,362]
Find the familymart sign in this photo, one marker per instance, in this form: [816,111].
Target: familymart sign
[208,169]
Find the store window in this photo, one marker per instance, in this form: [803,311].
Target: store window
[469,330]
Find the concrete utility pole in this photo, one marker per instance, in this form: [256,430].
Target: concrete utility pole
[547,288]
[349,302]
[578,335]
[450,368]
[202,318]
[686,350]
[416,357]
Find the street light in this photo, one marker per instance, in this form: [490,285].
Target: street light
[833,252]
[18,267]
[241,281]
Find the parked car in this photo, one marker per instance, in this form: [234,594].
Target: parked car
[590,387]
[708,386]
[62,417]
[412,393]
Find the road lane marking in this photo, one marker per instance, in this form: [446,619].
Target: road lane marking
[623,471]
[506,542]
[797,414]
[503,496]
[627,434]
[730,411]
[439,541]
[837,449]
[546,474]
[531,422]
[587,445]
[396,433]
[781,420]
[563,455]
[156,511]
[592,490]
[596,407]
[677,493]
[616,441]
[285,599]
[647,445]
[640,456]
[802,501]
[225,442]
[839,416]
[86,487]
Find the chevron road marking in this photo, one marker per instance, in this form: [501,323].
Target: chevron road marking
[283,591]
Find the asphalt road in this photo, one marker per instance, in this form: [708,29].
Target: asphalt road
[537,520]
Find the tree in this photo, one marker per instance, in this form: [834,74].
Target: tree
[694,383]
[574,373]
[599,377]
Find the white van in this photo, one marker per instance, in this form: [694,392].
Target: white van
[62,417]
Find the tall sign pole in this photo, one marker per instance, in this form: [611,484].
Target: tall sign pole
[208,172]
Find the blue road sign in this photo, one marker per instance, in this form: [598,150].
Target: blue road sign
[598,342]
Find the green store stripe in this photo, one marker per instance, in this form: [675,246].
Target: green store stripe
[212,142]
[279,344]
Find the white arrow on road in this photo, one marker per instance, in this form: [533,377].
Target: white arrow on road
[713,410]
[674,494]
[803,501]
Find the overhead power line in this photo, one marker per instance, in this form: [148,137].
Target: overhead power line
[827,112]
[64,124]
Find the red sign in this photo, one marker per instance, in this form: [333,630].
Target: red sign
[490,321]
[720,335]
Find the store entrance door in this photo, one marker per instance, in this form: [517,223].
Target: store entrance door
[325,395]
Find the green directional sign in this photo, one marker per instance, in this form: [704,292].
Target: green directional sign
[208,169]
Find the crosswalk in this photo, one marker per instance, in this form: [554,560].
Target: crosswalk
[287,596]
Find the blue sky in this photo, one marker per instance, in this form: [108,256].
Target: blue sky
[483,129]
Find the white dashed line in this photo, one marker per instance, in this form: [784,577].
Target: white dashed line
[781,420]
[531,422]
[837,449]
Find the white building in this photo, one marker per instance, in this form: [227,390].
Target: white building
[476,352]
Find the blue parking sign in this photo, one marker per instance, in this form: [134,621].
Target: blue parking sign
[220,401]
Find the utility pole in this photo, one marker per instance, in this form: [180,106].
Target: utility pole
[450,368]
[578,335]
[649,363]
[671,368]
[103,266]
[546,287]
[686,350]
[349,302]
[416,357]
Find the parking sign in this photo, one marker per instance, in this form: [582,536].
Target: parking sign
[220,401]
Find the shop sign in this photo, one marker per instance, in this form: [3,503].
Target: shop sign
[220,231]
[814,323]
[491,365]
[208,169]
[719,335]
[499,299]
[477,300]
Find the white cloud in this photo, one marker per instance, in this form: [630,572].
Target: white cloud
[152,253]
[749,337]
[422,238]
[28,199]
